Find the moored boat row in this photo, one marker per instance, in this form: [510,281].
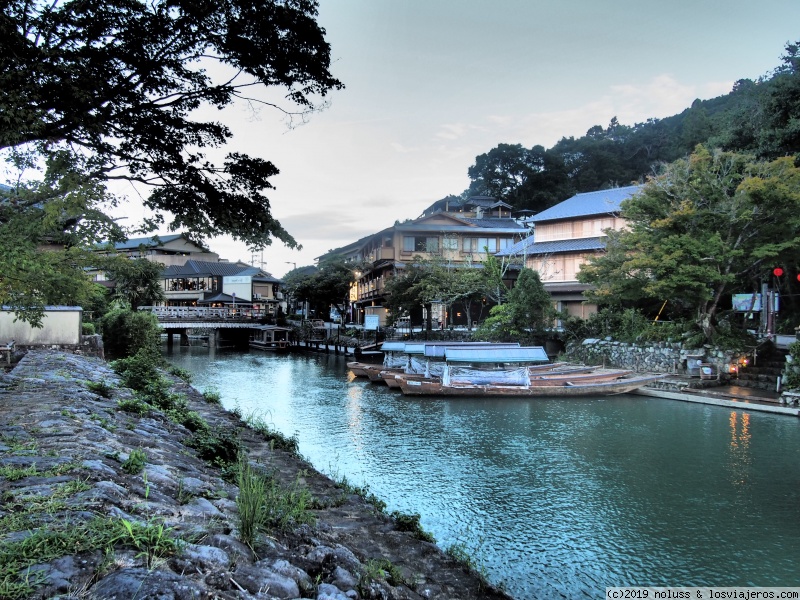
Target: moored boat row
[483,369]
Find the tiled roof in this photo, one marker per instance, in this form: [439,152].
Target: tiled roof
[530,247]
[201,268]
[210,297]
[149,242]
[587,204]
[492,223]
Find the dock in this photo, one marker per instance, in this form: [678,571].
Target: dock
[728,396]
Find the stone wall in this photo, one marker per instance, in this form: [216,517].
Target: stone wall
[660,357]
[90,345]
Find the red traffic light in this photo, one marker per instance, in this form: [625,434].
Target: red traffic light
[777,271]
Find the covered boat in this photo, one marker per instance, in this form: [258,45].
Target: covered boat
[270,337]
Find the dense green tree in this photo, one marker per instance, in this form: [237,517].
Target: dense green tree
[525,317]
[119,83]
[47,231]
[706,226]
[136,281]
[781,133]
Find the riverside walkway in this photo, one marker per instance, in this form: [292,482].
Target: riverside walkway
[677,387]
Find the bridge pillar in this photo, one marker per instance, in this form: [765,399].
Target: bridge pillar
[212,338]
[169,338]
[184,337]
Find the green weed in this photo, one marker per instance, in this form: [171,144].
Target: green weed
[153,540]
[410,523]
[265,505]
[18,446]
[212,396]
[101,388]
[363,492]
[273,436]
[135,462]
[17,473]
[180,373]
[379,570]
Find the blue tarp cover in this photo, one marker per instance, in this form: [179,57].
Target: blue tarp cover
[496,355]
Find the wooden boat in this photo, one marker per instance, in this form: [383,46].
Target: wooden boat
[565,389]
[399,358]
[358,368]
[270,337]
[540,372]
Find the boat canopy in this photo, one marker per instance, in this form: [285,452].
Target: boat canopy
[393,346]
[438,351]
[519,354]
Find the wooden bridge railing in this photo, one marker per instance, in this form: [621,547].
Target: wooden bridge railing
[198,313]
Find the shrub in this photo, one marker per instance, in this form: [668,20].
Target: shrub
[126,332]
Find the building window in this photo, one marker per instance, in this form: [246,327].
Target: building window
[479,245]
[420,244]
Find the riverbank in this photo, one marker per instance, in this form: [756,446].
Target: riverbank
[106,503]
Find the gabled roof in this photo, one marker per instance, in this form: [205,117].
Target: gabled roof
[202,268]
[210,297]
[494,223]
[530,247]
[460,224]
[153,241]
[602,202]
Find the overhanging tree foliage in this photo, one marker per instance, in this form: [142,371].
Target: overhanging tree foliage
[707,226]
[94,91]
[118,84]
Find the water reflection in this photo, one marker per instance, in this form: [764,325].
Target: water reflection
[556,498]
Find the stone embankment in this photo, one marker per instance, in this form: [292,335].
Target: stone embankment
[103,503]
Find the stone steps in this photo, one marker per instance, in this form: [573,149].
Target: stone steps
[765,373]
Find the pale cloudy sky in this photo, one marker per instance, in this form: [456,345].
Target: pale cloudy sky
[431,84]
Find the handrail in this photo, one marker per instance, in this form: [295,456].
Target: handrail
[195,313]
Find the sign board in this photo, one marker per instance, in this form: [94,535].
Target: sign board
[747,302]
[752,302]
[371,322]
[237,279]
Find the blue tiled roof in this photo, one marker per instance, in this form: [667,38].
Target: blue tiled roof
[149,242]
[530,247]
[586,204]
[492,223]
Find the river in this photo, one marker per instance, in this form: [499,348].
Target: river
[553,498]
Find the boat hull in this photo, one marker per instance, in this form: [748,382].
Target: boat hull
[411,387]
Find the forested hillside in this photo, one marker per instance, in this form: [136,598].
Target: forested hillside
[761,117]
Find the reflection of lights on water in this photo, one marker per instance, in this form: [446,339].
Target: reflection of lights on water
[355,414]
[740,446]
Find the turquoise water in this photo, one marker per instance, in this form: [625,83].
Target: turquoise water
[554,498]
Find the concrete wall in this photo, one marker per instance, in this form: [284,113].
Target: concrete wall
[61,326]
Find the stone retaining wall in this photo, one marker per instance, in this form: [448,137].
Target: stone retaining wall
[660,357]
[90,345]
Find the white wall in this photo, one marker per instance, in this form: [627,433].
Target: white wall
[61,325]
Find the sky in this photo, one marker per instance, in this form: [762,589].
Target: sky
[431,84]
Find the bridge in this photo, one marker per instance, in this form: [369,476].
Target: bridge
[232,324]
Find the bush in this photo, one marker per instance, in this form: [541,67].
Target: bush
[88,329]
[126,332]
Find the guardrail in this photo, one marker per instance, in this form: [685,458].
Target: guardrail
[202,313]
